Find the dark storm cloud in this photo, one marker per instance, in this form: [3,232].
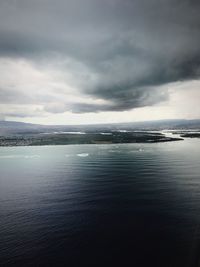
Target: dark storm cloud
[130,47]
[123,100]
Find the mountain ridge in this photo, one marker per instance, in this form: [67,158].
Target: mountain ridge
[14,127]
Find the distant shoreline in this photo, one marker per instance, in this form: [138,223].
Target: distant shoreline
[95,139]
[14,134]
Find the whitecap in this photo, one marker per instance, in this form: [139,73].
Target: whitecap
[72,132]
[83,155]
[106,133]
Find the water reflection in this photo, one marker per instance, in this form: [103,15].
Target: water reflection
[124,205]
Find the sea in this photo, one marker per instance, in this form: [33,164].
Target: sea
[101,205]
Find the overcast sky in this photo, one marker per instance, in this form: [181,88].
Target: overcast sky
[96,61]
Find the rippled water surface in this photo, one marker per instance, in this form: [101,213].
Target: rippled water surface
[100,205]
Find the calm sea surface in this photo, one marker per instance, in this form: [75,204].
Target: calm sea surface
[100,205]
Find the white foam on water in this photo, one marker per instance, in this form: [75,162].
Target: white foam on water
[83,155]
[71,132]
[106,133]
[123,131]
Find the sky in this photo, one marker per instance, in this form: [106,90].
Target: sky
[99,61]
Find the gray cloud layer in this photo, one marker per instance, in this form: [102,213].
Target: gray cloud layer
[125,50]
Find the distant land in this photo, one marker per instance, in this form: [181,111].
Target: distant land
[25,134]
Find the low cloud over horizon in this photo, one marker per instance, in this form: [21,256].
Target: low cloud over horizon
[85,61]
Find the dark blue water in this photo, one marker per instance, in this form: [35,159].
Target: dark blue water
[100,205]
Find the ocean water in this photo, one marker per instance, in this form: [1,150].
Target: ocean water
[100,205]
